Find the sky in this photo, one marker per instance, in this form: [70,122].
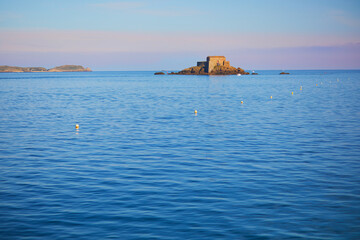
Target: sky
[172,35]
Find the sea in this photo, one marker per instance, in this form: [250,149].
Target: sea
[266,156]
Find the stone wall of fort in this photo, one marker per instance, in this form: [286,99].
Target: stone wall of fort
[202,64]
[214,61]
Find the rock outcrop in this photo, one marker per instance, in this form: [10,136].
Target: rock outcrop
[215,65]
[64,68]
[159,73]
[218,70]
[282,73]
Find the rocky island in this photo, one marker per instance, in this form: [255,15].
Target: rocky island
[214,65]
[159,73]
[63,68]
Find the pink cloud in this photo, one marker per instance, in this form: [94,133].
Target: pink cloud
[334,57]
[107,50]
[112,41]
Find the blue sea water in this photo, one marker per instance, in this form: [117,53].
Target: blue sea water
[143,166]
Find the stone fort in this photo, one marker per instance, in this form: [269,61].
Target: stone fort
[212,61]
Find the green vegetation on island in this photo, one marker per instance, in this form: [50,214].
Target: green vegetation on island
[64,68]
[22,69]
[70,68]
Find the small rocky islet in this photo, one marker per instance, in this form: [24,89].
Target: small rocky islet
[63,68]
[214,65]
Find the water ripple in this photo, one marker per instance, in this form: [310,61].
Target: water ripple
[143,166]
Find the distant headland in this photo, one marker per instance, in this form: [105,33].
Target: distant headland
[63,68]
[214,65]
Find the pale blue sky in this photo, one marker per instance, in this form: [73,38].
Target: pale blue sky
[115,35]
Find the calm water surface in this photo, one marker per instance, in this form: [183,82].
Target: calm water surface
[143,166]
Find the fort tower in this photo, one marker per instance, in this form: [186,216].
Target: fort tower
[212,61]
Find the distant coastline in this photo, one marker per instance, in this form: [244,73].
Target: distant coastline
[63,68]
